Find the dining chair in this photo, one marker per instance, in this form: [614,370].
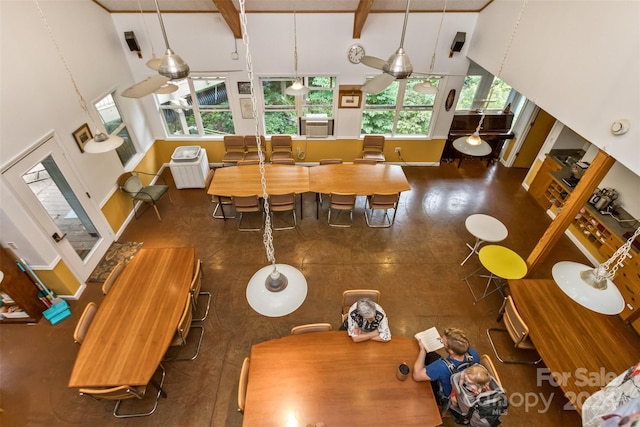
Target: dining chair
[84,322]
[251,143]
[373,148]
[125,392]
[350,296]
[281,147]
[283,203]
[182,332]
[197,292]
[242,384]
[130,183]
[247,162]
[381,202]
[220,201]
[341,202]
[311,327]
[485,360]
[365,161]
[517,330]
[247,204]
[111,278]
[234,149]
[283,161]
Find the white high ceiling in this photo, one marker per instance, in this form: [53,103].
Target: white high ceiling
[265,6]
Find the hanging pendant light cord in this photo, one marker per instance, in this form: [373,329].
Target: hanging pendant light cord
[267,238]
[146,29]
[295,41]
[433,57]
[617,258]
[513,34]
[81,99]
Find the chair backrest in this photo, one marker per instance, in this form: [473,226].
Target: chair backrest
[365,161]
[111,278]
[84,322]
[196,281]
[383,200]
[281,143]
[283,161]
[342,201]
[311,327]
[245,162]
[518,330]
[130,183]
[242,384]
[486,361]
[114,393]
[246,203]
[251,143]
[330,161]
[373,143]
[282,202]
[234,143]
[208,179]
[352,295]
[184,325]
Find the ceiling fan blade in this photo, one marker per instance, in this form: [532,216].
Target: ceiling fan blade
[154,63]
[373,62]
[378,83]
[145,87]
[166,89]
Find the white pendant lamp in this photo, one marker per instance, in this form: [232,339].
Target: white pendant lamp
[298,87]
[473,145]
[277,289]
[426,87]
[591,287]
[101,142]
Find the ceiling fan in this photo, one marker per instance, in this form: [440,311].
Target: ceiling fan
[170,67]
[398,66]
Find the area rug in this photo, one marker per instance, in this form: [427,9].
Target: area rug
[118,252]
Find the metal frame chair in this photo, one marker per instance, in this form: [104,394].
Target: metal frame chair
[373,148]
[84,322]
[196,292]
[234,149]
[111,278]
[251,144]
[130,183]
[350,296]
[220,201]
[516,328]
[311,327]
[182,332]
[485,360]
[381,201]
[283,203]
[247,204]
[341,202]
[281,147]
[242,384]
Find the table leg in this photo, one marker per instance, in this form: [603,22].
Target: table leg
[224,217]
[474,249]
[486,292]
[317,205]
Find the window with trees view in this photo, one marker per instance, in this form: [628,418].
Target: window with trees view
[199,107]
[398,110]
[281,111]
[112,120]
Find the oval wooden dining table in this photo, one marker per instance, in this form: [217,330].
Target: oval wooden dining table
[325,376]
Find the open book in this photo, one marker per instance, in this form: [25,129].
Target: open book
[430,339]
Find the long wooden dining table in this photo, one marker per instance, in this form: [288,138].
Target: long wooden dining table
[325,376]
[137,319]
[583,349]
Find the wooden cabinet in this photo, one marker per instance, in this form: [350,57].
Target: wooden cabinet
[539,188]
[20,288]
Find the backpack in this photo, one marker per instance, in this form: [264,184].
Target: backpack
[441,399]
[483,410]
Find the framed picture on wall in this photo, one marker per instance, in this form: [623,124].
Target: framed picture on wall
[82,135]
[244,88]
[350,99]
[246,107]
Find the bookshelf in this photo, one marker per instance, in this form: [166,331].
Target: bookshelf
[20,289]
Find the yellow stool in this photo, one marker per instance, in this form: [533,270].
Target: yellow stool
[502,264]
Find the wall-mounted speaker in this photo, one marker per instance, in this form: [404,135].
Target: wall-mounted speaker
[458,42]
[130,38]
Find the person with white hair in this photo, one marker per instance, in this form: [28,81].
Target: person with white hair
[368,321]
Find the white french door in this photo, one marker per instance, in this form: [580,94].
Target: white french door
[57,200]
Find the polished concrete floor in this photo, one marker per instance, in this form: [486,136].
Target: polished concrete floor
[415,264]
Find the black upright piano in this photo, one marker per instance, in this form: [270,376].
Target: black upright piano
[496,129]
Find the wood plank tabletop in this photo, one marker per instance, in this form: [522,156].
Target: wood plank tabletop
[583,346]
[360,179]
[136,321]
[245,180]
[325,376]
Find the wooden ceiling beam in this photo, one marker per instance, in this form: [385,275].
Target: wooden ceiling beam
[360,17]
[230,15]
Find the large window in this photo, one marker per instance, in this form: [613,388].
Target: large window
[200,107]
[112,120]
[399,110]
[281,111]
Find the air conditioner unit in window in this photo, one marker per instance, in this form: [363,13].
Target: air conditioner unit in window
[317,128]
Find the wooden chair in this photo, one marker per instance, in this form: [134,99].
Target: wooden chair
[384,202]
[234,149]
[373,148]
[283,203]
[350,296]
[341,202]
[311,327]
[242,384]
[281,147]
[131,184]
[125,392]
[247,204]
[84,322]
[111,278]
[485,360]
[251,144]
[516,328]
[196,292]
[182,332]
[365,161]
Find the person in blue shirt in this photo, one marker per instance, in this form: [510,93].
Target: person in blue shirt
[432,367]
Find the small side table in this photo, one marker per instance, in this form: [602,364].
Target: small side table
[501,263]
[484,228]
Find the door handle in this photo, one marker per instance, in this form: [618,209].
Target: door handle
[58,237]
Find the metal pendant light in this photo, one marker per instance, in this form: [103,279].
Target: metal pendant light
[171,64]
[298,87]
